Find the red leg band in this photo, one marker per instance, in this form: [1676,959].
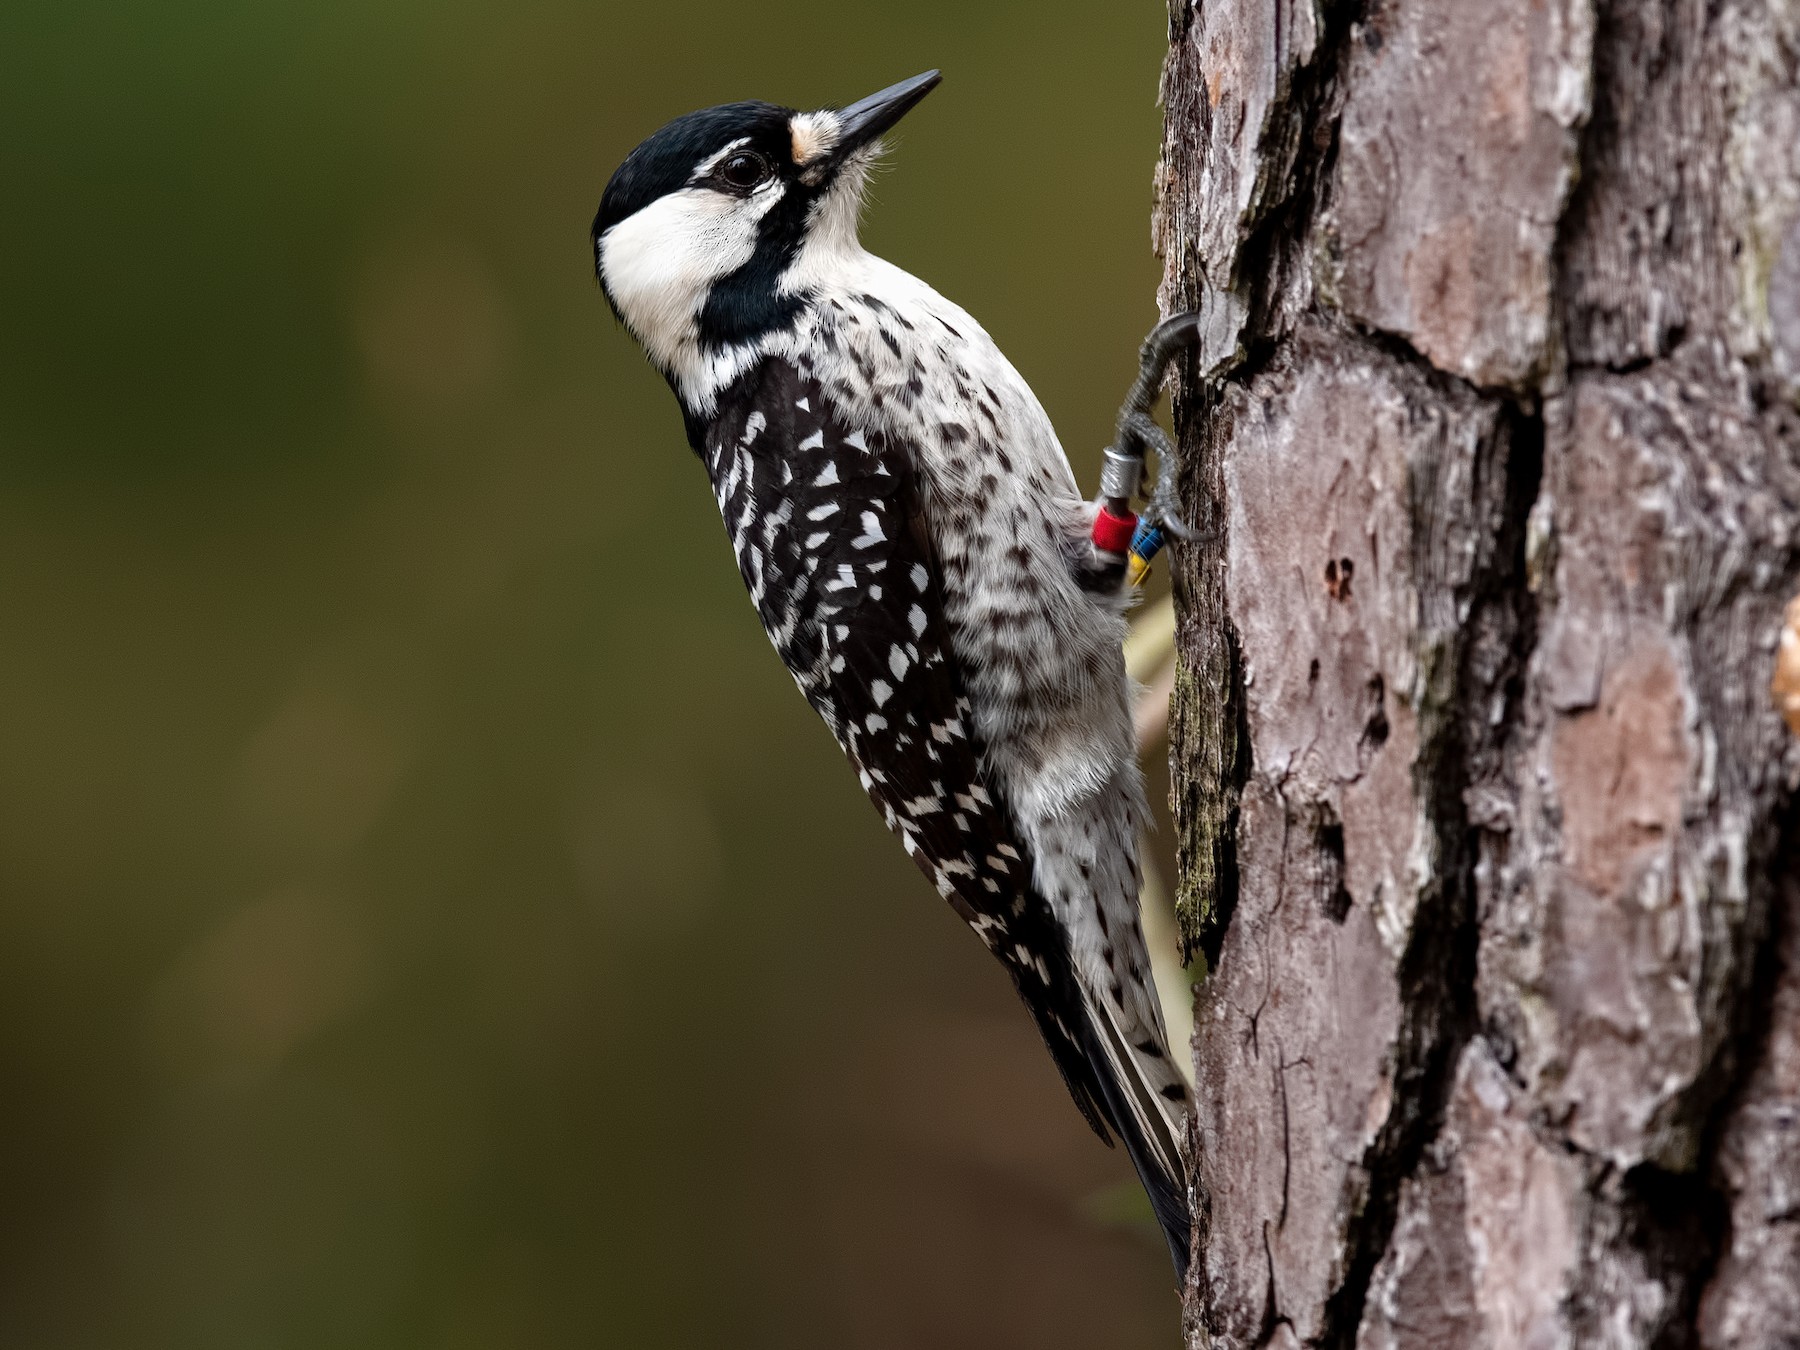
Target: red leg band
[1112,534]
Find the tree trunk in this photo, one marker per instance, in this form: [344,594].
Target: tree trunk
[1482,798]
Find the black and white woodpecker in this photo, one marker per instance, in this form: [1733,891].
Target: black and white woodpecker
[916,546]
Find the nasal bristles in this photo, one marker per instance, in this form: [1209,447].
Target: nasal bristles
[815,134]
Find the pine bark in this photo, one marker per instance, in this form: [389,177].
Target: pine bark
[1485,812]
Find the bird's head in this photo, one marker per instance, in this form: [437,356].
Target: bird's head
[708,233]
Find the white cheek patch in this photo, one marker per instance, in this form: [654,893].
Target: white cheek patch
[659,264]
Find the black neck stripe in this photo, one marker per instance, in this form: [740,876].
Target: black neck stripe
[746,304]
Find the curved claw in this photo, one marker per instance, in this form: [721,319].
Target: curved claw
[1172,525]
[1163,503]
[1160,348]
[1169,337]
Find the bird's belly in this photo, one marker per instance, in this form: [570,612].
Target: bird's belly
[1046,671]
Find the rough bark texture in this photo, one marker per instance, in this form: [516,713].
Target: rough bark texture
[1484,807]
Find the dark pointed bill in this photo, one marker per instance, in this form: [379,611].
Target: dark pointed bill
[867,118]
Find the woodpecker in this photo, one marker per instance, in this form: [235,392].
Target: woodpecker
[916,546]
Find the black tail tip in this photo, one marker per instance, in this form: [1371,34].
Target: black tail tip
[1176,1221]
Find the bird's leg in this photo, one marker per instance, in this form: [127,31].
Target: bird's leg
[1138,428]
[1122,474]
[1162,502]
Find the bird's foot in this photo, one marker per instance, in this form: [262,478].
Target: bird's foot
[1139,434]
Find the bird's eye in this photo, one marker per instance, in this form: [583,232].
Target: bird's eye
[744,169]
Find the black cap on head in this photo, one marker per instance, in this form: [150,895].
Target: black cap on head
[663,162]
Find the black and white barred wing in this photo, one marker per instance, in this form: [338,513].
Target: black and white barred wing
[821,516]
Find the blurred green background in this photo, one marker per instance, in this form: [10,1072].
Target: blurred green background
[428,914]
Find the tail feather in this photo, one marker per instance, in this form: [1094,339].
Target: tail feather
[1120,1086]
[1106,1081]
[1134,1047]
[1148,1122]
